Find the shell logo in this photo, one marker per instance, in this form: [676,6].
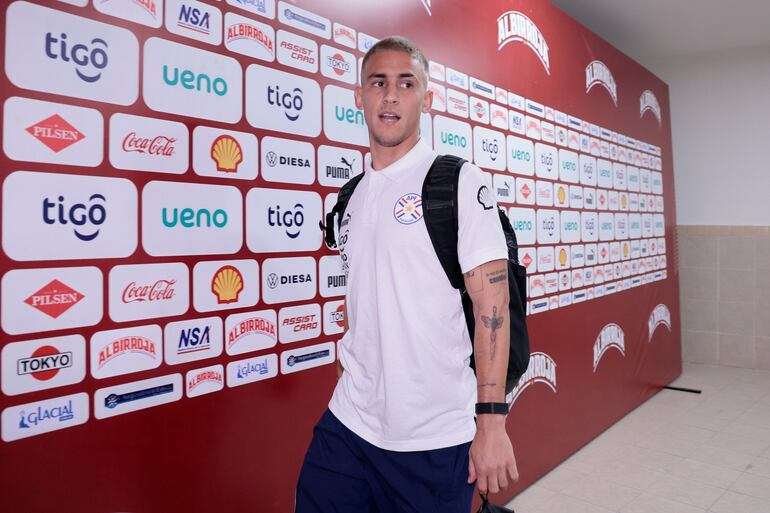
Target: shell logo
[623,201]
[563,256]
[562,195]
[227,284]
[625,250]
[227,153]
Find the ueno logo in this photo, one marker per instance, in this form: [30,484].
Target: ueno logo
[190,218]
[453,139]
[192,81]
[514,26]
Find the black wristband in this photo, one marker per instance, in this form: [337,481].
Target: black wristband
[499,408]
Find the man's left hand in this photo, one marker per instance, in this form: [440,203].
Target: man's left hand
[492,462]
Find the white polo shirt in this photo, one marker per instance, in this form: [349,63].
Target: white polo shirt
[407,384]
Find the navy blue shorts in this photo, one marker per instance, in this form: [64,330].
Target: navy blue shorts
[343,473]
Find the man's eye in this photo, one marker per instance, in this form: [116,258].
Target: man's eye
[378,83]
[407,85]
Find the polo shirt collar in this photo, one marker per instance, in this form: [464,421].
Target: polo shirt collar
[411,160]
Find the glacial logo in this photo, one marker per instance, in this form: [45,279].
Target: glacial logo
[648,101]
[597,73]
[660,316]
[611,336]
[542,369]
[514,26]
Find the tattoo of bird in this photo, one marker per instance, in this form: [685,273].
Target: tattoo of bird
[493,323]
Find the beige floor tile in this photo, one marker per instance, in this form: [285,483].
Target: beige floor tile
[685,490]
[723,458]
[671,445]
[654,459]
[757,433]
[560,478]
[600,492]
[738,443]
[760,467]
[705,473]
[732,502]
[626,473]
[567,504]
[750,484]
[647,503]
[532,500]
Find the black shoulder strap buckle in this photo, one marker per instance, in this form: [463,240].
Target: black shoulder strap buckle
[343,197]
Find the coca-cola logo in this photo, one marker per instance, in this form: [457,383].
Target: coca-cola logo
[161,290]
[160,145]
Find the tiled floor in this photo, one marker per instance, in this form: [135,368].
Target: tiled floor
[677,453]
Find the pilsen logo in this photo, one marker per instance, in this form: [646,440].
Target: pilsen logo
[542,369]
[253,326]
[55,133]
[160,145]
[660,316]
[611,336]
[514,26]
[209,376]
[54,299]
[648,101]
[597,73]
[227,284]
[125,345]
[248,32]
[161,290]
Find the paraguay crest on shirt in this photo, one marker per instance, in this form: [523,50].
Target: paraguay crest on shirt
[408,208]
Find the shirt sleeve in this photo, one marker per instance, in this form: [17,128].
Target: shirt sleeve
[480,237]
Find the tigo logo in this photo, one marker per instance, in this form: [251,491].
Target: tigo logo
[281,101]
[275,219]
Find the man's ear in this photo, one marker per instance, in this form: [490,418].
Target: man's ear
[357,95]
[427,102]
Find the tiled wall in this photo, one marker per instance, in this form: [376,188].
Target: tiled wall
[725,295]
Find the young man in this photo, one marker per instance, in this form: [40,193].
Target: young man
[397,434]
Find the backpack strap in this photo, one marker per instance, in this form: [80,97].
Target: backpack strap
[440,209]
[343,197]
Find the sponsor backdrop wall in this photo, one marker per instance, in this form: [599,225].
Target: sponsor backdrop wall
[169,315]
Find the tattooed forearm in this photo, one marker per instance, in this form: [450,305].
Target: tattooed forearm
[473,281]
[493,323]
[497,276]
[482,385]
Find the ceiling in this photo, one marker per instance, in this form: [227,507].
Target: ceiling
[650,30]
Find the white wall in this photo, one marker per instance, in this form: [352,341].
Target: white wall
[721,135]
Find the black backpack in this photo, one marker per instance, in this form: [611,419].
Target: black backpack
[439,205]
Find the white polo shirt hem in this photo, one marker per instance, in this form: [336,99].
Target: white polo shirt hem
[423,444]
[481,257]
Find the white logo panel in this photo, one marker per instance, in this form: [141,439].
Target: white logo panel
[191,219]
[338,165]
[548,226]
[249,37]
[293,16]
[570,226]
[93,60]
[297,323]
[40,417]
[288,279]
[225,284]
[250,331]
[546,161]
[68,216]
[334,317]
[569,168]
[127,350]
[251,370]
[297,51]
[295,360]
[604,173]
[131,397]
[521,156]
[338,64]
[183,80]
[145,144]
[42,364]
[489,148]
[204,381]
[146,291]
[505,188]
[193,19]
[225,153]
[35,300]
[343,121]
[333,279]
[38,131]
[287,161]
[192,340]
[264,8]
[457,103]
[452,137]
[589,226]
[524,223]
[282,220]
